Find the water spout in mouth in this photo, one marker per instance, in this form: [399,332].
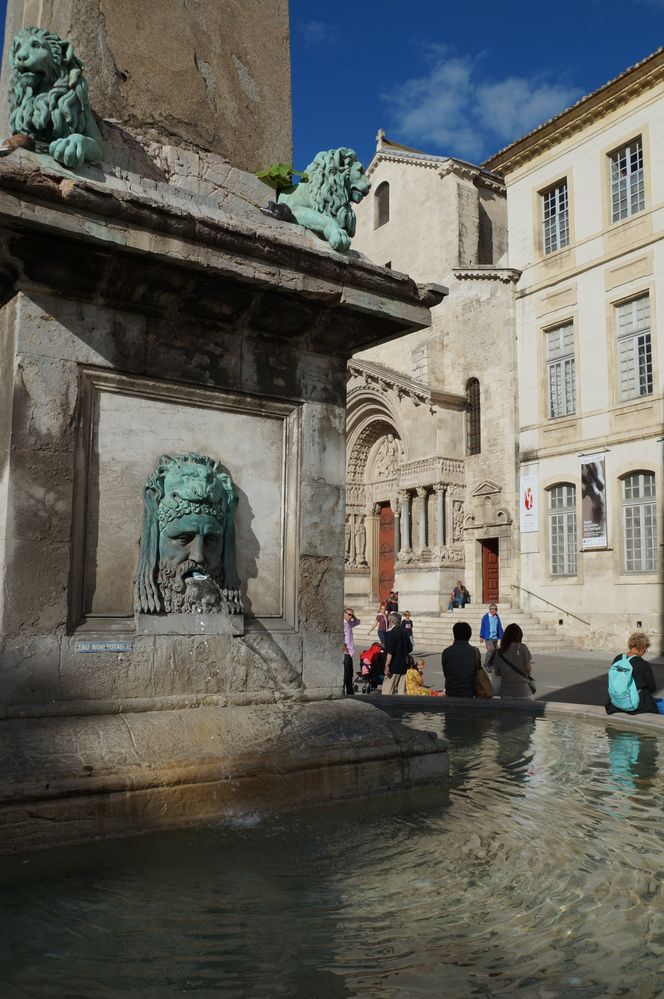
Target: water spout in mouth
[204,594]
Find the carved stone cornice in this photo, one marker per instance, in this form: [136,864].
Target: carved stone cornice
[427,471]
[445,165]
[507,275]
[383,379]
[479,177]
[593,107]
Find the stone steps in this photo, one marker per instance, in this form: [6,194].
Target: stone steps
[435,632]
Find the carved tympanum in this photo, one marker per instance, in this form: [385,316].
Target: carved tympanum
[387,459]
[187,557]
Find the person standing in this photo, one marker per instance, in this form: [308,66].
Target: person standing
[392,602]
[407,625]
[397,650]
[350,622]
[491,631]
[513,664]
[459,662]
[380,623]
[349,690]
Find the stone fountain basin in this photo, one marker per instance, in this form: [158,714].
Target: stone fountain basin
[67,779]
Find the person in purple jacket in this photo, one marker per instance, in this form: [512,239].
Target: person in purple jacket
[491,631]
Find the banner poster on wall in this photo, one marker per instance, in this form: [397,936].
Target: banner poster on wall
[528,504]
[593,500]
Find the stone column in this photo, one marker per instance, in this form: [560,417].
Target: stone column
[422,516]
[372,524]
[404,500]
[440,515]
[351,553]
[397,527]
[448,518]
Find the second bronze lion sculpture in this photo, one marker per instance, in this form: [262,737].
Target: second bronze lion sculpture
[323,203]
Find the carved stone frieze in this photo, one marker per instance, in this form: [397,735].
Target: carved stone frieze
[369,375]
[443,555]
[442,471]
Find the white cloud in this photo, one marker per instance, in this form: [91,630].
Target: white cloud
[317,32]
[455,110]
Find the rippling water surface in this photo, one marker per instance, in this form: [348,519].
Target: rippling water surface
[539,872]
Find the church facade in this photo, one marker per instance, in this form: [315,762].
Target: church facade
[431,487]
[517,443]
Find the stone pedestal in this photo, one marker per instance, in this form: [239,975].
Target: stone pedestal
[426,589]
[139,321]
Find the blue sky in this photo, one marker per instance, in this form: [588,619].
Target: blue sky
[452,78]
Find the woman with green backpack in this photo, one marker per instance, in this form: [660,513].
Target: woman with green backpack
[631,680]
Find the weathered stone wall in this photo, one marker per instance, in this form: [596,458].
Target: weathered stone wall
[63,456]
[477,328]
[214,73]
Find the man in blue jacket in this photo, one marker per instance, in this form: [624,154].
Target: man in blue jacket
[491,631]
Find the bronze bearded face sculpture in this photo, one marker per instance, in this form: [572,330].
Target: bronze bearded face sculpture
[187,559]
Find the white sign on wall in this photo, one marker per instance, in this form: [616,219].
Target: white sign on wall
[528,504]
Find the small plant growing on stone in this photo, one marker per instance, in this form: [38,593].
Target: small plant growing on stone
[280,178]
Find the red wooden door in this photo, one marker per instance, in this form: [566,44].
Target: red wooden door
[386,551]
[490,578]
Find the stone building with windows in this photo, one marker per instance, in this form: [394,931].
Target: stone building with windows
[585,196]
[431,487]
[517,443]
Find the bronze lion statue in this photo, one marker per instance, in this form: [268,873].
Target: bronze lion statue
[48,98]
[323,203]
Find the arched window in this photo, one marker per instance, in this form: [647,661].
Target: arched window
[562,529]
[639,522]
[381,204]
[473,425]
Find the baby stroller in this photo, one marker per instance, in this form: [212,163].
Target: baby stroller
[370,675]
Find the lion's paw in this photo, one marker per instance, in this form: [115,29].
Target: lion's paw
[339,240]
[69,151]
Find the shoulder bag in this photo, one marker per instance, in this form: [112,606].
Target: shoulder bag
[529,680]
[483,685]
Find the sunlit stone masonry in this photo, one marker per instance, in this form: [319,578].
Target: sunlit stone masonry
[173,365]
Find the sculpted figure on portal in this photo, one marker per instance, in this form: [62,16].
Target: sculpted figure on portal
[187,557]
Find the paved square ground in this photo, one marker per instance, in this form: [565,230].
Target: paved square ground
[577,677]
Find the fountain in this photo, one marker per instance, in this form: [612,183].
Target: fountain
[173,389]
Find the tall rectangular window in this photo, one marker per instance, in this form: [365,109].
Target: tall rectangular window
[561,370]
[640,522]
[634,348]
[627,188]
[555,218]
[562,530]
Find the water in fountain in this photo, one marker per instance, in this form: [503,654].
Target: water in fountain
[538,872]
